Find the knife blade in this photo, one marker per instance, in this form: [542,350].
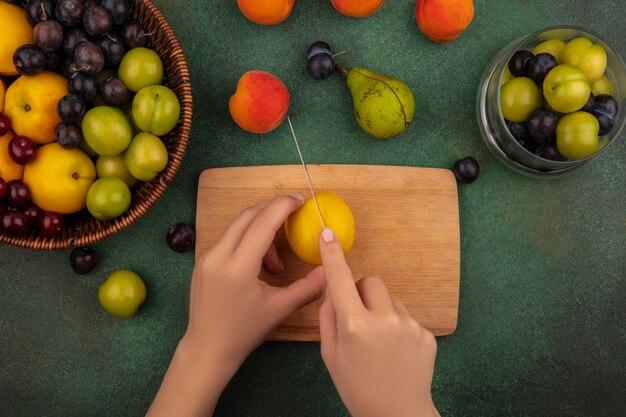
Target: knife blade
[306,172]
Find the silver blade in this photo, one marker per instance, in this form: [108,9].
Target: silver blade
[306,171]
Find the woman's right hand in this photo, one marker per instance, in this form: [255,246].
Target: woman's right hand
[380,359]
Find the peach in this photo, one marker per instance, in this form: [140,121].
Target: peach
[444,20]
[260,103]
[357,8]
[266,12]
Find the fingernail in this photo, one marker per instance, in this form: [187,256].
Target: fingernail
[298,197]
[328,235]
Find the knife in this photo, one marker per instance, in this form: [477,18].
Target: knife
[306,172]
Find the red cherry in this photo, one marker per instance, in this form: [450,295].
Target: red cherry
[33,214]
[18,194]
[3,188]
[5,124]
[51,224]
[22,150]
[13,223]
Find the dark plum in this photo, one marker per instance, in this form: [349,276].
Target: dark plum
[39,11]
[73,38]
[539,66]
[13,223]
[97,21]
[113,92]
[69,136]
[71,108]
[89,58]
[22,150]
[134,35]
[605,122]
[542,126]
[113,49]
[83,260]
[607,105]
[321,66]
[48,35]
[51,224]
[18,194]
[550,152]
[518,65]
[70,12]
[92,3]
[69,68]
[119,9]
[180,237]
[54,62]
[319,47]
[466,170]
[591,103]
[29,60]
[83,85]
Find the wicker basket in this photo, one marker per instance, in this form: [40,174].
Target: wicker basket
[81,228]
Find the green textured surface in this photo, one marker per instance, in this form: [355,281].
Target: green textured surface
[542,310]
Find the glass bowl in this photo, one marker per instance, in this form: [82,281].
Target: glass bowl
[493,126]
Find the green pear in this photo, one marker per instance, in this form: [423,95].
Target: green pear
[384,106]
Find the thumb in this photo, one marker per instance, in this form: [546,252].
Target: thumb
[302,292]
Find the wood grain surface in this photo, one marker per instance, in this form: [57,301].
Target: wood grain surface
[407,223]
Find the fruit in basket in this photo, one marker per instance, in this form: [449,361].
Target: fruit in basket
[39,10]
[518,64]
[71,108]
[69,136]
[122,294]
[97,21]
[51,224]
[266,12]
[602,86]
[519,98]
[553,47]
[107,130]
[140,67]
[384,106]
[146,156]
[18,194]
[88,58]
[31,104]
[48,35]
[156,109]
[577,135]
[113,49]
[113,92]
[108,198]
[9,169]
[539,66]
[33,214]
[260,102]
[444,20]
[119,10]
[357,8]
[13,223]
[5,124]
[83,85]
[115,166]
[566,88]
[29,60]
[134,35]
[70,12]
[22,150]
[59,179]
[583,54]
[302,228]
[15,31]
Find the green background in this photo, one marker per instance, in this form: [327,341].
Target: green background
[542,308]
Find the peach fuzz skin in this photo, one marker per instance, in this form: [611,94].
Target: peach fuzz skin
[444,20]
[260,103]
[357,8]
[266,12]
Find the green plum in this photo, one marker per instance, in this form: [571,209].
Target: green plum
[583,54]
[146,156]
[107,130]
[114,166]
[140,68]
[519,97]
[108,198]
[156,109]
[566,88]
[602,86]
[577,135]
[553,47]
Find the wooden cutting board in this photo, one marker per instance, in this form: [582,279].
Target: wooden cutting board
[407,222]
